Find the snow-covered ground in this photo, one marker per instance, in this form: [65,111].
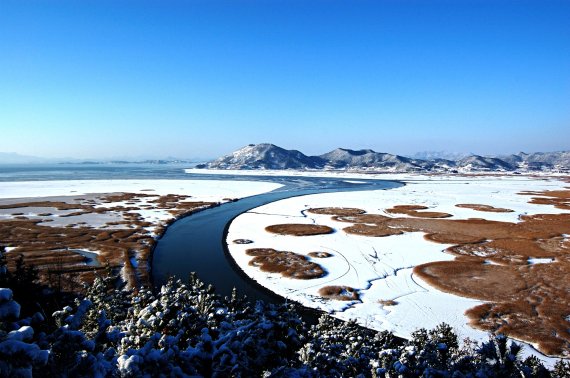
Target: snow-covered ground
[197,190]
[201,190]
[356,174]
[381,268]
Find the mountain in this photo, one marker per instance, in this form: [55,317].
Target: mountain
[547,160]
[269,156]
[362,159]
[481,163]
[540,161]
[265,156]
[439,155]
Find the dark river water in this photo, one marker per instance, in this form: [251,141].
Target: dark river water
[197,243]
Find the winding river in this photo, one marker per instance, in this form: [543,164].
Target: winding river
[197,243]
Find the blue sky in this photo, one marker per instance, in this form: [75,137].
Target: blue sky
[202,78]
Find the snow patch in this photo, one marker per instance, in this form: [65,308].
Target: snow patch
[540,260]
[206,190]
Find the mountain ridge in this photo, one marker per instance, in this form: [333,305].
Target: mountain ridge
[269,156]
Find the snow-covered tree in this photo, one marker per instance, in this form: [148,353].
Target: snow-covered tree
[336,348]
[18,354]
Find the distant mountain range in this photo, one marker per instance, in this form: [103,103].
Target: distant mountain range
[14,158]
[269,156]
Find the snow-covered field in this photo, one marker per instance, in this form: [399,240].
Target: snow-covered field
[381,267]
[201,190]
[197,190]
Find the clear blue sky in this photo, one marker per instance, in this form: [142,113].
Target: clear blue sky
[202,78]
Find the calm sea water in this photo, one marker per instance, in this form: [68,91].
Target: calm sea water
[42,172]
[51,172]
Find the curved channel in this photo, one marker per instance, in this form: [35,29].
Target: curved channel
[197,243]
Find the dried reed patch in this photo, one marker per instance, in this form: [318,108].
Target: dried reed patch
[299,229]
[484,208]
[288,264]
[339,211]
[453,238]
[362,218]
[518,320]
[557,198]
[320,255]
[417,211]
[75,214]
[371,230]
[527,302]
[47,258]
[125,197]
[261,251]
[387,302]
[513,251]
[476,228]
[54,204]
[473,279]
[339,293]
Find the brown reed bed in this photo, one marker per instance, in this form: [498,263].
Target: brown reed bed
[527,302]
[339,293]
[288,264]
[60,205]
[339,211]
[387,302]
[417,211]
[557,198]
[454,238]
[299,229]
[484,208]
[374,230]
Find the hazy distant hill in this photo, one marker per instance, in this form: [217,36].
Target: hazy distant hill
[14,158]
[269,156]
